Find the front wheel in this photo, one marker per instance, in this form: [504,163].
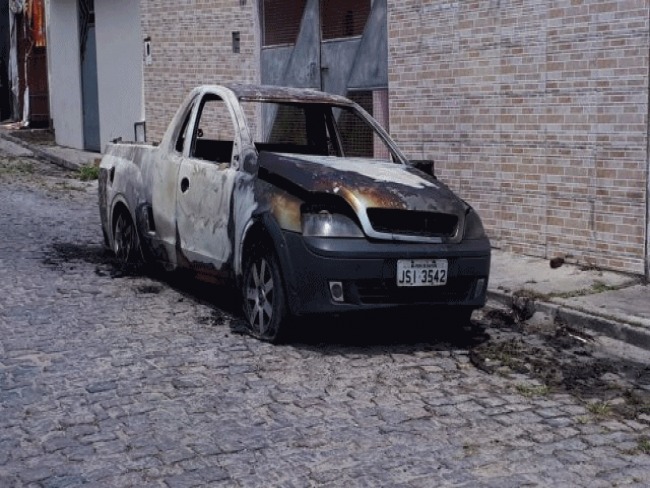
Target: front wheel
[263,295]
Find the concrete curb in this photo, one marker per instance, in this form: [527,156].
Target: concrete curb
[41,153]
[583,322]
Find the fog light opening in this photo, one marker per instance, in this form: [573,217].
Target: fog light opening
[480,287]
[336,290]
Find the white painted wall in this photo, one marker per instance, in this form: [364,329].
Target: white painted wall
[64,72]
[119,68]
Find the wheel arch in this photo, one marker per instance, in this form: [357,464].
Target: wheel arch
[119,206]
[264,228]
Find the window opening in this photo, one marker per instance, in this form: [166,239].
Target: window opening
[180,141]
[344,18]
[214,132]
[316,129]
[281,21]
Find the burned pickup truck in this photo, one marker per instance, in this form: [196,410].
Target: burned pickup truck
[302,201]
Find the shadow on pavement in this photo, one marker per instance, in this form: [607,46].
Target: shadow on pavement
[428,328]
[387,328]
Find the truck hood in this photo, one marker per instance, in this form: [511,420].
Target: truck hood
[363,183]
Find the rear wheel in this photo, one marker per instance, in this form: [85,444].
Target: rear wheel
[263,293]
[126,243]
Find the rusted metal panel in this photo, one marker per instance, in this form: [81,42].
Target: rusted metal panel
[370,66]
[341,46]
[33,91]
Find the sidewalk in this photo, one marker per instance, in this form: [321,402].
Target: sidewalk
[40,144]
[591,301]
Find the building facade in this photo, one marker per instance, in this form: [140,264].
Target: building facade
[536,112]
[95,71]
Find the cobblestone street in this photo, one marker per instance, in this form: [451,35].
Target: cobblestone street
[109,378]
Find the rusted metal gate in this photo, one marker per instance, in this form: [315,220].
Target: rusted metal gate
[39,101]
[338,46]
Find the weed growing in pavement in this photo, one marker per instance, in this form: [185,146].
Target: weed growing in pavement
[530,391]
[16,166]
[89,172]
[595,288]
[599,409]
[644,445]
[64,185]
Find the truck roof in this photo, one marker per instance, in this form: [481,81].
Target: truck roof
[285,94]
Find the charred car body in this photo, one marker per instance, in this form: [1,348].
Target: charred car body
[299,198]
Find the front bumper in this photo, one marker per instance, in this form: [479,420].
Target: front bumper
[367,272]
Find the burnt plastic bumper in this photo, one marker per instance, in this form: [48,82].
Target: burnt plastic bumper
[367,273]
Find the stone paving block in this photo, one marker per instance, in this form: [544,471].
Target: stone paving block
[32,475]
[64,481]
[57,443]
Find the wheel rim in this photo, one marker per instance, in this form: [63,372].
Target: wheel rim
[124,237]
[260,296]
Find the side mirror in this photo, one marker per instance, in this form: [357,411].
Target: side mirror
[425,165]
[249,162]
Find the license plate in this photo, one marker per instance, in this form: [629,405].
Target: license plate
[421,272]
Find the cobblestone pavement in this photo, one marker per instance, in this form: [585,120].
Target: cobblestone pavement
[116,379]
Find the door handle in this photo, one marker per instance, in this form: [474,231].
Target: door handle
[185,184]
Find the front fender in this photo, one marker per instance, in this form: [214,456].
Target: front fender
[267,224]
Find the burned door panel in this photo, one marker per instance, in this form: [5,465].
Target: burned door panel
[204,195]
[204,187]
[165,168]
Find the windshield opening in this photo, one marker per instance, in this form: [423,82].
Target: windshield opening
[315,129]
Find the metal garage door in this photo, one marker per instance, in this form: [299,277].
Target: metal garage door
[338,46]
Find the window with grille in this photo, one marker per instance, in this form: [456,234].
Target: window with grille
[281,21]
[344,18]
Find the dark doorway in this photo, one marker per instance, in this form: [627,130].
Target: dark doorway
[5,94]
[89,90]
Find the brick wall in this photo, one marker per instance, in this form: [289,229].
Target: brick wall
[537,112]
[191,44]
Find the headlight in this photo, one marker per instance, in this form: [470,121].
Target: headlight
[473,226]
[327,224]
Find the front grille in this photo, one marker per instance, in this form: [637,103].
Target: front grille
[387,292]
[411,222]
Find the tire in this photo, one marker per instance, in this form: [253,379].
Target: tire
[126,243]
[264,300]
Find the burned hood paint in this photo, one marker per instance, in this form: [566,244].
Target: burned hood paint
[362,182]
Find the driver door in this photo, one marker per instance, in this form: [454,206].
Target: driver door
[204,190]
